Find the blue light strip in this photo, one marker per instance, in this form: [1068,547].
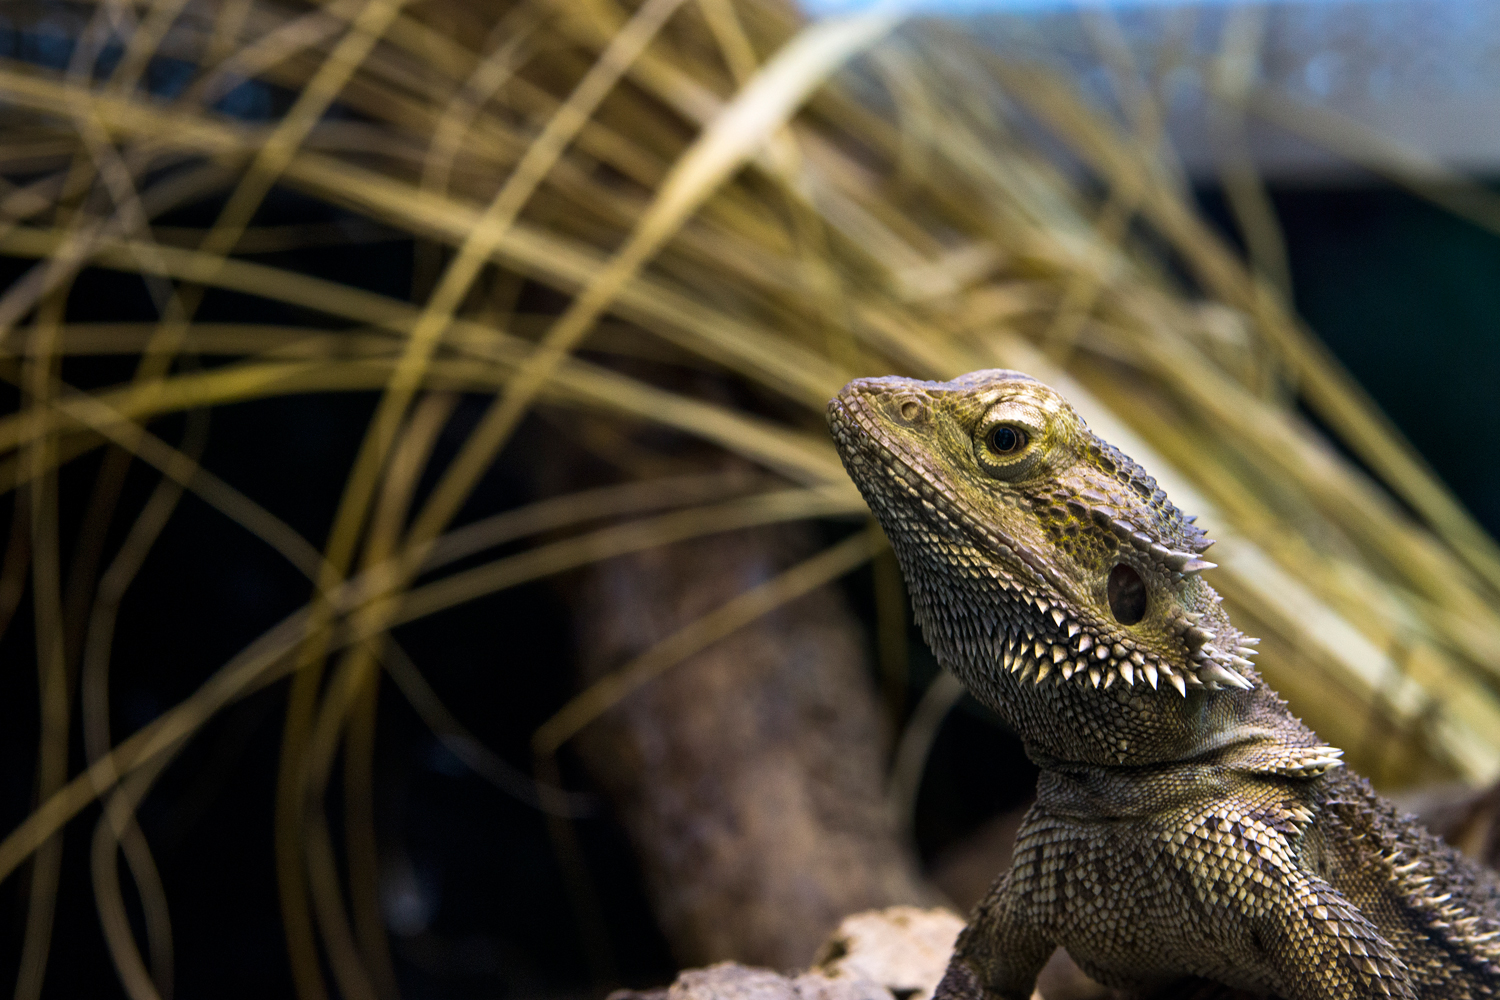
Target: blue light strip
[964,8]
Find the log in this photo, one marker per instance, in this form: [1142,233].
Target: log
[749,777]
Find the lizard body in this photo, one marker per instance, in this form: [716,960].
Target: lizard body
[1186,824]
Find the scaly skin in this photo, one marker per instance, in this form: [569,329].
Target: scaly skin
[1185,824]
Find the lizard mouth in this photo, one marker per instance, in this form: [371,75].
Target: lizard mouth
[1040,634]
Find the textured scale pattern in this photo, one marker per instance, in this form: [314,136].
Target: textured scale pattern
[1186,824]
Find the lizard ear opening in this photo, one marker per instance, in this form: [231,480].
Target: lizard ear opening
[1127,594]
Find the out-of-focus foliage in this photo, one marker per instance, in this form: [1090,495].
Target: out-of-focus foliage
[704,185]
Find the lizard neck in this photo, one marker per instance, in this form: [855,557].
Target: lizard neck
[1289,751]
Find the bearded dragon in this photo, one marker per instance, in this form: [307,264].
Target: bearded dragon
[1186,824]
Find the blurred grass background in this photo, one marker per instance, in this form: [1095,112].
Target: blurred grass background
[298,298]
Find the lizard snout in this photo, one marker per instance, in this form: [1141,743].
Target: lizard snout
[901,400]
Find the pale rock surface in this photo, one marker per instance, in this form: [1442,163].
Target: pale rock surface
[898,953]
[903,948]
[732,981]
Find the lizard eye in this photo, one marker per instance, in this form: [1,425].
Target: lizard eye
[1005,440]
[1010,442]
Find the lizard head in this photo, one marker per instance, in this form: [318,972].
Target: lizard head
[1031,544]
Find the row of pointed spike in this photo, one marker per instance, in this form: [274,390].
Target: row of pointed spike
[1478,931]
[1300,815]
[1314,761]
[1457,923]
[1128,473]
[1186,563]
[1213,664]
[1102,665]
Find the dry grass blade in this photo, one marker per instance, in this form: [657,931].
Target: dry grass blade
[729,141]
[117,828]
[1234,74]
[52,679]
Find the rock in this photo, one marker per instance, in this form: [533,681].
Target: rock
[898,953]
[732,981]
[903,948]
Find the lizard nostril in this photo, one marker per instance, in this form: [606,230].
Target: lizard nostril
[1127,594]
[909,407]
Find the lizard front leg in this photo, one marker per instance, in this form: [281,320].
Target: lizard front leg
[1258,903]
[1000,953]
[1323,948]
